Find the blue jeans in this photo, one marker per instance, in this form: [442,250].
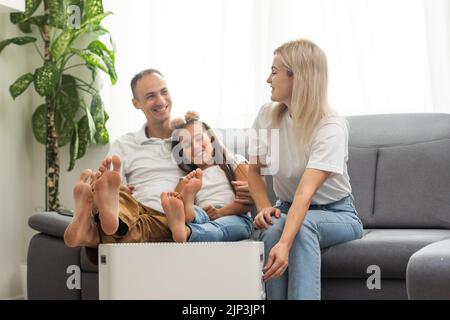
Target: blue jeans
[323,226]
[229,228]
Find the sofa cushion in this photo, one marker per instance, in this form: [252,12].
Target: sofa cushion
[412,169]
[362,171]
[388,249]
[413,186]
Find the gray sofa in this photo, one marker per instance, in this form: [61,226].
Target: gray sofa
[399,167]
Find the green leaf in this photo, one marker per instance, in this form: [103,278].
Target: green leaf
[102,137]
[39,123]
[20,85]
[65,133]
[91,23]
[74,145]
[98,114]
[39,21]
[46,79]
[57,13]
[97,109]
[100,49]
[100,117]
[92,9]
[15,17]
[18,41]
[68,100]
[84,136]
[62,42]
[91,58]
[25,27]
[111,69]
[91,123]
[30,7]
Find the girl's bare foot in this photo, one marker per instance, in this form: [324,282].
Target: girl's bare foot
[192,184]
[173,207]
[82,230]
[106,194]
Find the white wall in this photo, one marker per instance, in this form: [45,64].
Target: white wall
[22,163]
[16,165]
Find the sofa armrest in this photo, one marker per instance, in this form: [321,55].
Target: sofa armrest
[428,272]
[51,223]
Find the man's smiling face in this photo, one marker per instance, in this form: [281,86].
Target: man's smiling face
[153,98]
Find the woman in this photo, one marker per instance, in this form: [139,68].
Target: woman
[315,208]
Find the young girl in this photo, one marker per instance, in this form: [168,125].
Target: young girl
[207,192]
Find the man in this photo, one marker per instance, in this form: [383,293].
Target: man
[144,160]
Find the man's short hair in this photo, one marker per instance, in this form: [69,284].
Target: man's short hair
[139,75]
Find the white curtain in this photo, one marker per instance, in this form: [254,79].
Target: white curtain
[385,56]
[437,13]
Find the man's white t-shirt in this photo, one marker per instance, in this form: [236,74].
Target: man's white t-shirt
[328,151]
[147,164]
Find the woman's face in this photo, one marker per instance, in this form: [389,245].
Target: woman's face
[197,147]
[280,82]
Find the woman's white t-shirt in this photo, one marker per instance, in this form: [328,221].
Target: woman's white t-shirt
[328,151]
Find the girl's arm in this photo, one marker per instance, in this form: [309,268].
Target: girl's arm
[310,182]
[233,208]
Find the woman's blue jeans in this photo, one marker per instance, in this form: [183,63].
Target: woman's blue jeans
[323,226]
[229,228]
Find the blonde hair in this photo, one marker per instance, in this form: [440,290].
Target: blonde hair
[307,64]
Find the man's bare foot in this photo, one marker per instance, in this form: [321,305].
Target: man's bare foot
[82,230]
[192,184]
[173,207]
[106,194]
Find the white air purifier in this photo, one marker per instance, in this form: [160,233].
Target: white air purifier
[182,271]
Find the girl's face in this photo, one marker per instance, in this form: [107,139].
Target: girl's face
[280,82]
[197,146]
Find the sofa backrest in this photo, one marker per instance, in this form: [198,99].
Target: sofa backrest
[399,166]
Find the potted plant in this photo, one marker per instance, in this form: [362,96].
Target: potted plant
[64,117]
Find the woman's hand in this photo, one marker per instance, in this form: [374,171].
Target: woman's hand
[264,217]
[243,193]
[213,213]
[277,262]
